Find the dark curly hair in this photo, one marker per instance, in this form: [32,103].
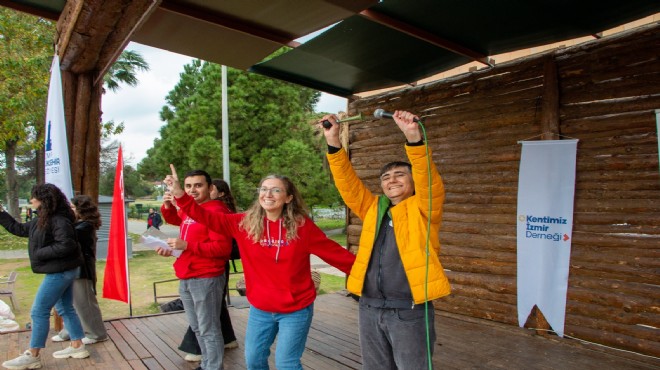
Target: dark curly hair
[87,210]
[227,198]
[53,202]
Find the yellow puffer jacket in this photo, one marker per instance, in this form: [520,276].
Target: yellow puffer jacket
[409,219]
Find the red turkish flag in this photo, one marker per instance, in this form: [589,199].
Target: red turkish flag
[116,282]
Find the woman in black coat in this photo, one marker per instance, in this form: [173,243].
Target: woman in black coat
[55,252]
[88,220]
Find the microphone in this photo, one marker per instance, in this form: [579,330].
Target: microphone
[381,113]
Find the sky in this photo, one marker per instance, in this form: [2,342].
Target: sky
[138,107]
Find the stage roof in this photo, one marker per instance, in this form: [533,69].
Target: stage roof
[371,45]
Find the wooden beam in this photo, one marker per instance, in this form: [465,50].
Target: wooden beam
[550,102]
[423,35]
[66,24]
[230,22]
[134,16]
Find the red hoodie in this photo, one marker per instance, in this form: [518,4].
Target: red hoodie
[277,271]
[207,251]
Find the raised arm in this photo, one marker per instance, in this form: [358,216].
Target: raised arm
[215,221]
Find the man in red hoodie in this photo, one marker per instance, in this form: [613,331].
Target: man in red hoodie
[200,267]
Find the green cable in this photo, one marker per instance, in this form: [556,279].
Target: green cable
[428,239]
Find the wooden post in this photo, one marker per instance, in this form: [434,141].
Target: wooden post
[550,102]
[57,321]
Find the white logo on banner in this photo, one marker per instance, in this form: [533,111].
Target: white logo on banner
[58,171]
[546,189]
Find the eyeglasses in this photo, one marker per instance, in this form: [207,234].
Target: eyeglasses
[265,190]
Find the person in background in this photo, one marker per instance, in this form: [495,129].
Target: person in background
[88,221]
[394,275]
[154,219]
[219,191]
[53,251]
[200,267]
[275,238]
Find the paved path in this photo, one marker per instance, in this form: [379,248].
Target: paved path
[139,226]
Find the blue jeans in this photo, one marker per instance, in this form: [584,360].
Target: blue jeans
[202,299]
[56,290]
[263,327]
[393,338]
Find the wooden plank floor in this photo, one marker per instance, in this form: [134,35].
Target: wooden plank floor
[150,342]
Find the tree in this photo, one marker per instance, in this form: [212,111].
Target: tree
[269,132]
[124,70]
[26,49]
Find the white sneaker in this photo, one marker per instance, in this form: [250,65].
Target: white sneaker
[24,361]
[192,358]
[231,345]
[69,351]
[86,340]
[57,338]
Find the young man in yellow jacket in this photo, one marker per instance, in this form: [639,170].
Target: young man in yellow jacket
[390,270]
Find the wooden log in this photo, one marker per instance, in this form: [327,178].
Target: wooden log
[614,241]
[633,256]
[603,108]
[477,228]
[550,101]
[615,176]
[647,205]
[612,123]
[133,16]
[493,283]
[640,333]
[610,140]
[640,185]
[479,308]
[477,292]
[478,252]
[495,242]
[615,340]
[610,273]
[616,315]
[496,209]
[90,182]
[478,265]
[482,198]
[617,194]
[69,93]
[616,286]
[624,302]
[618,229]
[495,219]
[612,218]
[81,125]
[77,43]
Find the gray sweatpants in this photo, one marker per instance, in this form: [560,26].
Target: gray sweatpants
[393,338]
[87,308]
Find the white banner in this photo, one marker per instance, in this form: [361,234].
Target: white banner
[58,171]
[657,130]
[546,190]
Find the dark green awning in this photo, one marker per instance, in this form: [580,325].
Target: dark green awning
[360,54]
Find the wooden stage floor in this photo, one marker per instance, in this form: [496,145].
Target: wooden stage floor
[150,342]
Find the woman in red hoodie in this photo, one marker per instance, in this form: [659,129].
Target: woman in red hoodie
[275,238]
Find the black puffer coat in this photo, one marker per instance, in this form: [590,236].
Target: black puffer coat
[87,239]
[53,248]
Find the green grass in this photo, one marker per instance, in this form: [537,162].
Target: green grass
[144,268]
[330,224]
[9,242]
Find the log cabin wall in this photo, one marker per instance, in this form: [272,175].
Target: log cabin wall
[607,92]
